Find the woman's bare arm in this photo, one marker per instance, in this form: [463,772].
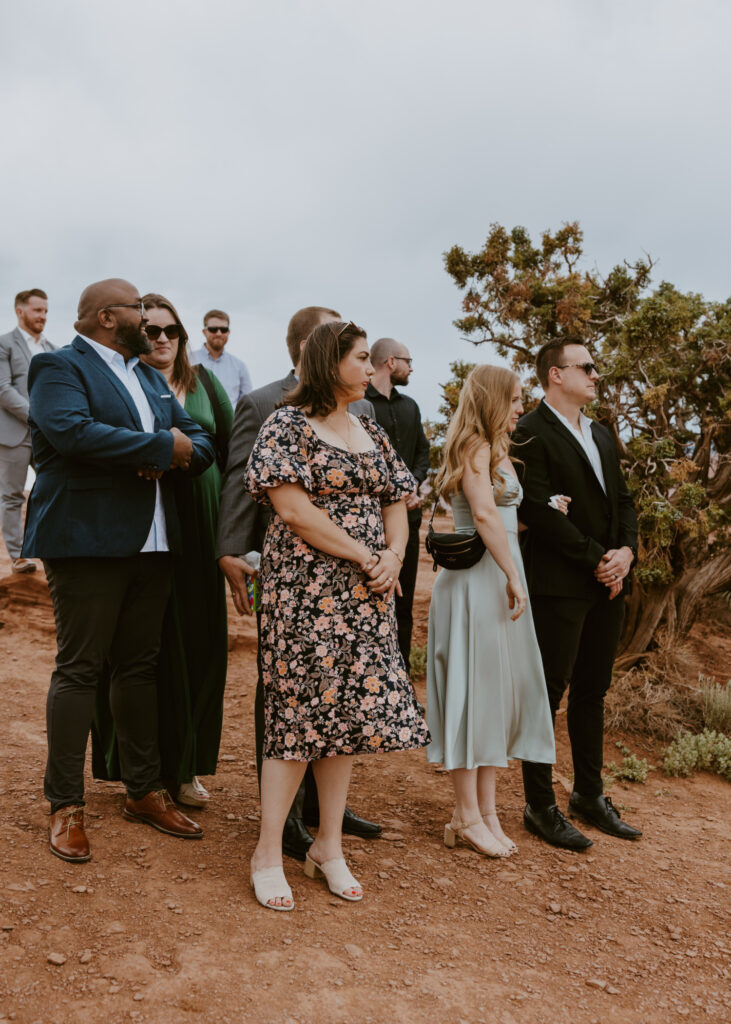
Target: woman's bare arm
[477,487]
[314,525]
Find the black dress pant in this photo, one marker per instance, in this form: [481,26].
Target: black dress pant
[407,579]
[306,795]
[108,611]
[578,641]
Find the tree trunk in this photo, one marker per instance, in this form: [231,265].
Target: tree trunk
[676,606]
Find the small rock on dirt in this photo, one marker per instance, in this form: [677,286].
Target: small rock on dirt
[57,959]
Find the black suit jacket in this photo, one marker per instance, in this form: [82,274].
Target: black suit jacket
[242,522]
[561,552]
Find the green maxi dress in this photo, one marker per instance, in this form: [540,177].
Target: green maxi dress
[194,644]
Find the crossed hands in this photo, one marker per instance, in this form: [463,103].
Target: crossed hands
[614,564]
[182,453]
[383,568]
[612,569]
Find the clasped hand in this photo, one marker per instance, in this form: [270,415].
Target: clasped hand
[383,575]
[612,569]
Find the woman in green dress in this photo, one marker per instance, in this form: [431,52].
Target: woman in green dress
[194,644]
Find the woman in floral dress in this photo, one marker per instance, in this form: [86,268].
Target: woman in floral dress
[335,684]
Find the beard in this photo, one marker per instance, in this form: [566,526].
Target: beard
[134,339]
[399,378]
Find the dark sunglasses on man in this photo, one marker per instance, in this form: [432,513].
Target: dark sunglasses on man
[588,368]
[217,330]
[153,332]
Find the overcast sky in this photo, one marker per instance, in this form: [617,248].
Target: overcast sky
[262,157]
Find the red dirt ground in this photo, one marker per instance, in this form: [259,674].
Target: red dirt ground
[158,930]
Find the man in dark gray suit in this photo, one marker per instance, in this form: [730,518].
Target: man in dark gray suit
[17,348]
[242,523]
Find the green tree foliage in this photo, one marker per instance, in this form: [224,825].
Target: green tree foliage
[664,393]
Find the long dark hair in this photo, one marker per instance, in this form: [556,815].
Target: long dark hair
[184,376]
[320,372]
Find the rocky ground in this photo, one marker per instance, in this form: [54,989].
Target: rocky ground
[155,929]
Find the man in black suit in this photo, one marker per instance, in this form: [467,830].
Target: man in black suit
[106,430]
[242,523]
[576,565]
[400,417]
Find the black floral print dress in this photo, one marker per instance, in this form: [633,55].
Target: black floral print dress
[334,678]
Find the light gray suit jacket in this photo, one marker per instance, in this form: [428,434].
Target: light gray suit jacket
[14,363]
[242,522]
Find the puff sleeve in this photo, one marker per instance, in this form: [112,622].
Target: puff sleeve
[279,455]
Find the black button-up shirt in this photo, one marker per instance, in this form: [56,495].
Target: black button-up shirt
[400,417]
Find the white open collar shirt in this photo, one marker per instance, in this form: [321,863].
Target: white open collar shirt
[157,538]
[34,347]
[586,439]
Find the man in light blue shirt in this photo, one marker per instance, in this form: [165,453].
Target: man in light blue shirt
[231,372]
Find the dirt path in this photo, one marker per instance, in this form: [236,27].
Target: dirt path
[158,930]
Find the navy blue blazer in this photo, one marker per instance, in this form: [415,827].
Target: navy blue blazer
[88,444]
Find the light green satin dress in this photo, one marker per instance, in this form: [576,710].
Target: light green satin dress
[486,693]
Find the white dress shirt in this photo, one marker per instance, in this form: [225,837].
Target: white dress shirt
[157,538]
[34,346]
[586,439]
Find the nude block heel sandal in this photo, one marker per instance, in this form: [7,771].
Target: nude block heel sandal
[339,880]
[456,830]
[270,884]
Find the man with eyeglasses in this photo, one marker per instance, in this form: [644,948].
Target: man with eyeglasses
[576,565]
[109,438]
[400,417]
[231,372]
[17,348]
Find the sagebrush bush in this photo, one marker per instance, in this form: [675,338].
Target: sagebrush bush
[708,751]
[716,704]
[632,768]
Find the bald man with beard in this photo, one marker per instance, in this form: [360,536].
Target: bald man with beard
[108,437]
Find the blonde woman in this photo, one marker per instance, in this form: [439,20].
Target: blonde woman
[486,695]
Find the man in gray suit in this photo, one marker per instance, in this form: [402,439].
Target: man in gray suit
[16,351]
[242,523]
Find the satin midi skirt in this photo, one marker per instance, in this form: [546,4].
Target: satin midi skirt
[486,693]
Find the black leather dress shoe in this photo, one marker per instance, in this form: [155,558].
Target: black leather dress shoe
[355,826]
[352,824]
[296,840]
[550,824]
[601,812]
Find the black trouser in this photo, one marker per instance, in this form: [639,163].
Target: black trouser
[108,610]
[307,792]
[407,579]
[578,641]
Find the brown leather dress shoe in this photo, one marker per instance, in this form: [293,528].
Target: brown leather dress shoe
[68,839]
[157,809]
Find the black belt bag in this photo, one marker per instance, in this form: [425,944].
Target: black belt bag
[453,550]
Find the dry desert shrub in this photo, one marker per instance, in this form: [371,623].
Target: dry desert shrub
[656,697]
[716,704]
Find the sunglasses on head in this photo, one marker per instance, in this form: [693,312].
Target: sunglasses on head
[217,330]
[153,332]
[586,367]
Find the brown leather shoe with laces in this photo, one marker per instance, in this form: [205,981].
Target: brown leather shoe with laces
[157,809]
[67,837]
